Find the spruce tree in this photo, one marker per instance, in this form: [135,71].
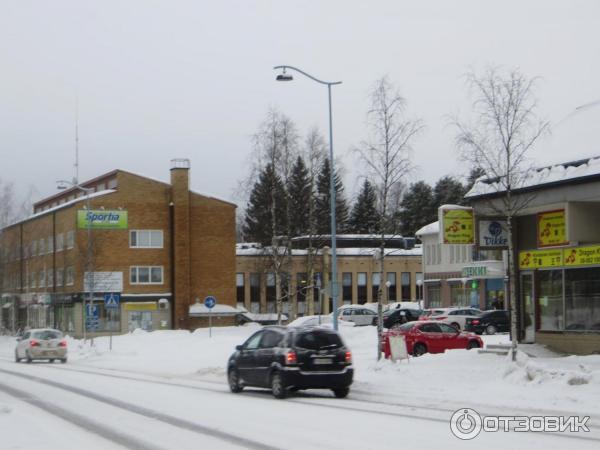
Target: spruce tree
[299,195]
[322,206]
[268,196]
[448,191]
[364,218]
[418,208]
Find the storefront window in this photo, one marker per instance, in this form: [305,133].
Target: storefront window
[582,299]
[434,295]
[141,320]
[347,287]
[550,299]
[494,293]
[460,295]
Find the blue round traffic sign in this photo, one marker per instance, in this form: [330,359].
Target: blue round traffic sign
[210,302]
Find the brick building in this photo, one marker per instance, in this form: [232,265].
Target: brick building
[159,245]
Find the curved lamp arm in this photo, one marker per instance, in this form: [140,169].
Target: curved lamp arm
[329,83]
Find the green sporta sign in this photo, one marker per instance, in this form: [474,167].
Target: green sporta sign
[99,218]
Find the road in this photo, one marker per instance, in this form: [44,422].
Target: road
[78,406]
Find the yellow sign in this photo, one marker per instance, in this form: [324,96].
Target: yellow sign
[534,259]
[458,226]
[552,228]
[582,256]
[149,306]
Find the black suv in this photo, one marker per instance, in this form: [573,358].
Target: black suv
[489,322]
[290,359]
[396,317]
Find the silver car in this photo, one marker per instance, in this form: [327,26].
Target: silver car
[358,315]
[44,343]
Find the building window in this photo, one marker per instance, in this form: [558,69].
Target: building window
[301,288]
[50,246]
[434,295]
[70,239]
[33,248]
[42,247]
[32,279]
[146,275]
[459,294]
[59,276]
[271,292]
[112,183]
[391,278]
[582,299]
[347,288]
[254,292]
[361,288]
[42,278]
[60,242]
[375,282]
[50,278]
[240,292]
[146,239]
[69,276]
[419,281]
[101,187]
[405,280]
[550,299]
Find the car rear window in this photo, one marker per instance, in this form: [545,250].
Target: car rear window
[407,326]
[46,334]
[315,340]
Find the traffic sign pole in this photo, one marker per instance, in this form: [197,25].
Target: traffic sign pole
[210,303]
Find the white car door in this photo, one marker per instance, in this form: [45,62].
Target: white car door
[22,344]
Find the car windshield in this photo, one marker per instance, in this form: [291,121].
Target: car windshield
[407,326]
[316,340]
[46,334]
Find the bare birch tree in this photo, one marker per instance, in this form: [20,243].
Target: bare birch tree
[506,126]
[386,154]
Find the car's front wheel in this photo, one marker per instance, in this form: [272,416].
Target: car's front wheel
[490,329]
[455,325]
[64,360]
[341,392]
[234,381]
[419,350]
[277,386]
[472,344]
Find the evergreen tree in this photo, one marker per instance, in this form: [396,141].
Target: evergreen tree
[474,174]
[418,208]
[364,218]
[267,200]
[448,191]
[299,194]
[322,206]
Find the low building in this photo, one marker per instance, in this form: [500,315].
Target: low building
[557,252]
[159,246]
[358,274]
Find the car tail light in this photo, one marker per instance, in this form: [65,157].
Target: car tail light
[475,322]
[348,357]
[290,358]
[62,343]
[34,343]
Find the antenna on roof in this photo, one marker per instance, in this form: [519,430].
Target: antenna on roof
[76,179]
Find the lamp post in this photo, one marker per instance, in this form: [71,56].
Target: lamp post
[334,288]
[63,184]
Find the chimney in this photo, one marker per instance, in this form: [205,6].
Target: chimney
[180,235]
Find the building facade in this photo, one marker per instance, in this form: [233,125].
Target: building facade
[358,276]
[159,246]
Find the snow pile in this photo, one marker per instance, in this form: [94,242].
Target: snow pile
[525,371]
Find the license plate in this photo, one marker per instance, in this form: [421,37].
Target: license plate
[49,353]
[322,361]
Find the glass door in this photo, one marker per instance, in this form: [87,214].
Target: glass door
[528,296]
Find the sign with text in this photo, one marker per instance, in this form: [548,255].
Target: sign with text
[493,233]
[582,256]
[457,226]
[474,271]
[102,219]
[552,228]
[103,281]
[537,259]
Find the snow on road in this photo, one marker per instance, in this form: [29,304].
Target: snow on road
[185,381]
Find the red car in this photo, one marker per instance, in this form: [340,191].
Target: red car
[433,337]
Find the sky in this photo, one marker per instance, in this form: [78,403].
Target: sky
[155,80]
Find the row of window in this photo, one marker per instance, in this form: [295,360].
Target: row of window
[65,277]
[457,254]
[45,246]
[101,186]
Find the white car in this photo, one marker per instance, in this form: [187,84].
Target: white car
[357,314]
[43,343]
[457,317]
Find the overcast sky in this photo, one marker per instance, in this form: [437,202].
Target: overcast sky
[157,80]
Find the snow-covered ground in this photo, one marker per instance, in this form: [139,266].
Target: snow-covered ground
[541,384]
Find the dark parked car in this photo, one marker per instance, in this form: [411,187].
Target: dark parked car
[396,317]
[489,322]
[289,359]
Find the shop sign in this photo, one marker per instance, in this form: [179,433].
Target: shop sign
[102,219]
[103,281]
[552,228]
[493,233]
[457,226]
[146,306]
[582,256]
[474,271]
[537,259]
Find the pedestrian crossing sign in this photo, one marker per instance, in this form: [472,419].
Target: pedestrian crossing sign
[112,300]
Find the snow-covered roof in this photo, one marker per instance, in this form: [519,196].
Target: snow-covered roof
[264,317]
[549,175]
[432,228]
[351,236]
[198,309]
[358,251]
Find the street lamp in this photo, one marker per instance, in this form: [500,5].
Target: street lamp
[64,184]
[284,76]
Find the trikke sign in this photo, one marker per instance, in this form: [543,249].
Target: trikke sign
[98,218]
